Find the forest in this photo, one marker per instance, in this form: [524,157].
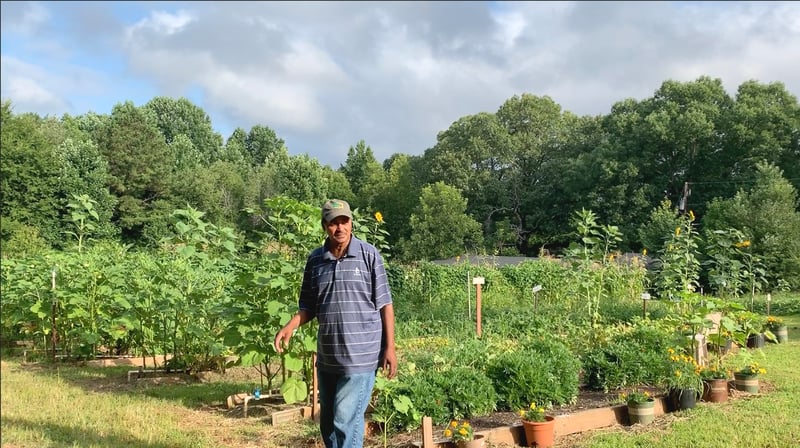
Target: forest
[503,183]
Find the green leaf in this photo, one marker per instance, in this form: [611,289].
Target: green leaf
[294,390]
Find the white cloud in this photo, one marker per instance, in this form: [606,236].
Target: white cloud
[325,75]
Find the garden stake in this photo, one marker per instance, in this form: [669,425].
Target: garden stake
[54,334]
[478,281]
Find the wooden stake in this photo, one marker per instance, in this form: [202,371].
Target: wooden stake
[478,308]
[314,397]
[427,433]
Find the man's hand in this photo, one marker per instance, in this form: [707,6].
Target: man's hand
[389,364]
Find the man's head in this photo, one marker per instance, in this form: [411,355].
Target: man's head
[337,220]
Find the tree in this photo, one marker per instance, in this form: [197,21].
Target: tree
[261,145]
[359,167]
[440,228]
[766,118]
[768,213]
[180,117]
[140,167]
[29,177]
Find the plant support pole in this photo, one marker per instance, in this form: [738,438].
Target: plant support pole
[54,309]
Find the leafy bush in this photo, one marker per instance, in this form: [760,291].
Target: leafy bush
[455,393]
[541,371]
[629,359]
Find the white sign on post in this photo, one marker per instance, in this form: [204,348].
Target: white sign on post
[645,296]
[537,288]
[477,281]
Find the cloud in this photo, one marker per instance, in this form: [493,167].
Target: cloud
[325,75]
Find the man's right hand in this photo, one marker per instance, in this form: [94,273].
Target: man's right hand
[282,338]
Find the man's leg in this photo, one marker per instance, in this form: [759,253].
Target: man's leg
[353,393]
[327,398]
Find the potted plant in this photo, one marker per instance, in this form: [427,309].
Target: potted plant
[715,383]
[752,325]
[641,406]
[463,435]
[539,427]
[777,328]
[746,378]
[682,380]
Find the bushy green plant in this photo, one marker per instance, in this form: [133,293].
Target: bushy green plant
[538,371]
[628,359]
[458,392]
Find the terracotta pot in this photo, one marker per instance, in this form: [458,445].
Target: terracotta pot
[540,434]
[476,442]
[715,390]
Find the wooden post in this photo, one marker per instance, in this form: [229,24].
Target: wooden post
[427,433]
[53,310]
[478,281]
[314,397]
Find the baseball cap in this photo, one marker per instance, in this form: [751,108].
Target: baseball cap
[334,208]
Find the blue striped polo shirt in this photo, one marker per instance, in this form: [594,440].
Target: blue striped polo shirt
[346,296]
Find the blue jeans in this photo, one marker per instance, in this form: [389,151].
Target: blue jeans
[343,399]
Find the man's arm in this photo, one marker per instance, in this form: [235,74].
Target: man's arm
[283,336]
[389,363]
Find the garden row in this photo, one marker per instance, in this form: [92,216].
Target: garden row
[548,360]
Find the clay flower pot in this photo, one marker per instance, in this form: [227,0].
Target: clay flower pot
[540,434]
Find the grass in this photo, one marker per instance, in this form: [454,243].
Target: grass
[71,406]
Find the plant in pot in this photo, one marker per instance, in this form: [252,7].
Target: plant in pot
[752,325]
[682,380]
[777,329]
[641,406]
[539,427]
[746,378]
[463,435]
[715,382]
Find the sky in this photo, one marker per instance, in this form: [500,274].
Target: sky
[326,75]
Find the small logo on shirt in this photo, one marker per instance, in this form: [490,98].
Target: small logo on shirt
[357,272]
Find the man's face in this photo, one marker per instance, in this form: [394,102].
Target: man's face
[339,229]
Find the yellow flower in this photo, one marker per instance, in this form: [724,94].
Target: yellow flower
[378,217]
[462,431]
[454,424]
[448,433]
[677,231]
[691,215]
[644,252]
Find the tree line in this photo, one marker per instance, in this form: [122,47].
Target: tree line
[504,183]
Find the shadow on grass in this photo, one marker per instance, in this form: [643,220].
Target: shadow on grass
[68,436]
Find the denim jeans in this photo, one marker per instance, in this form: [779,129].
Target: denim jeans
[343,399]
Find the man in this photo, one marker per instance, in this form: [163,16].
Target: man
[346,289]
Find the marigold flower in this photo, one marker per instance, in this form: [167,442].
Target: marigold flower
[448,433]
[378,217]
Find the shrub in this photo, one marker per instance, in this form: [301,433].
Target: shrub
[541,371]
[628,359]
[455,393]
